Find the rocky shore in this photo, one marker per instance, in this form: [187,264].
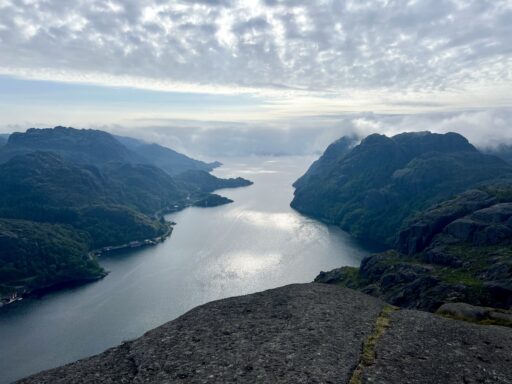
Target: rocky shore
[307,333]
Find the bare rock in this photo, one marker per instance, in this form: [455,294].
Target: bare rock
[302,333]
[310,333]
[421,348]
[476,314]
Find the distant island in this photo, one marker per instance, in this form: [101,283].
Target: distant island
[68,194]
[440,208]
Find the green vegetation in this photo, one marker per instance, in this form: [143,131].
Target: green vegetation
[203,182]
[379,184]
[65,192]
[35,255]
[443,206]
[367,358]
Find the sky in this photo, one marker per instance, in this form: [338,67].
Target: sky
[276,76]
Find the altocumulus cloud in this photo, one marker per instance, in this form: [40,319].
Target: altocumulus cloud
[307,45]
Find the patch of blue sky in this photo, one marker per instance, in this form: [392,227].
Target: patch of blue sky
[17,90]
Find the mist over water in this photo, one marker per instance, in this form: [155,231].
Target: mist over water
[256,243]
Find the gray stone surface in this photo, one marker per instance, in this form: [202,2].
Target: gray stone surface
[309,333]
[421,348]
[303,333]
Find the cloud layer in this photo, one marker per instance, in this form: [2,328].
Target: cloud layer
[484,128]
[318,46]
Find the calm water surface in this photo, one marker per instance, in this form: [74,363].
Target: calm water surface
[257,242]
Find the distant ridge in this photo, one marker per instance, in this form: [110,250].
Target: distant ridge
[90,146]
[86,146]
[503,151]
[169,160]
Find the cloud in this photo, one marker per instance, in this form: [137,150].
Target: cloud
[306,136]
[318,46]
[308,71]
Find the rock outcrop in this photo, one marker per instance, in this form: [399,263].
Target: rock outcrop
[456,251]
[308,333]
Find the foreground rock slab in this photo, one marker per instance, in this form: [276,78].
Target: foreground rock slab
[304,333]
[422,348]
[311,333]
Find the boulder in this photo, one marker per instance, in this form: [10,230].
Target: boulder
[464,311]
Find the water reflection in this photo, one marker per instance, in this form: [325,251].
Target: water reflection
[243,264]
[281,221]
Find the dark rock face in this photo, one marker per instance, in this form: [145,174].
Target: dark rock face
[488,226]
[407,283]
[459,250]
[309,333]
[420,231]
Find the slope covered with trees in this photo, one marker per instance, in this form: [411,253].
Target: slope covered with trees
[371,190]
[65,192]
[442,208]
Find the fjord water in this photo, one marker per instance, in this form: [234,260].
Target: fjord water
[256,243]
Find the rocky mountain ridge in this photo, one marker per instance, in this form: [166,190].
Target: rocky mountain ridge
[374,188]
[440,207]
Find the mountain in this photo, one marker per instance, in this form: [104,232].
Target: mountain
[204,182]
[301,333]
[165,158]
[441,208]
[85,146]
[89,146]
[3,139]
[459,250]
[503,151]
[380,183]
[328,161]
[44,179]
[74,208]
[85,186]
[36,255]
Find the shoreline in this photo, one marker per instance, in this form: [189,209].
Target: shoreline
[22,292]
[135,244]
